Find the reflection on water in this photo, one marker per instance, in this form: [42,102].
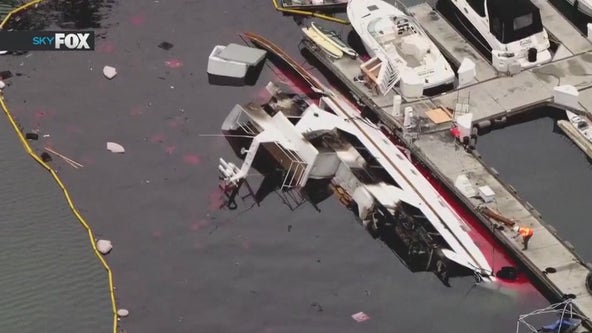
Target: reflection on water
[549,171]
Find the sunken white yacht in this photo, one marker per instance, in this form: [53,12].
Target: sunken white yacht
[393,36]
[511,30]
[330,142]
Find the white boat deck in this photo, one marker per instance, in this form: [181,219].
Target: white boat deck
[563,30]
[545,249]
[450,42]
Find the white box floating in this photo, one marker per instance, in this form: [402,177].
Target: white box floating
[233,60]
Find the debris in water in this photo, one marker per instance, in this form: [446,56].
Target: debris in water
[173,63]
[122,313]
[109,72]
[115,148]
[45,157]
[32,136]
[104,246]
[2,85]
[360,317]
[165,46]
[68,160]
[317,306]
[5,75]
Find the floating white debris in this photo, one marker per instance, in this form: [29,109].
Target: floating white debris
[3,52]
[109,72]
[115,148]
[122,313]
[2,85]
[360,317]
[104,246]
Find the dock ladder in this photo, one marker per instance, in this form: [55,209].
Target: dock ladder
[462,105]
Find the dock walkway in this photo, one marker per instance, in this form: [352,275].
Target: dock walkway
[545,250]
[553,262]
[450,41]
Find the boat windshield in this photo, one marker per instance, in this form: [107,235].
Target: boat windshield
[511,26]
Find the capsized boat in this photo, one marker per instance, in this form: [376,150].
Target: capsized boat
[323,42]
[332,37]
[582,124]
[388,32]
[329,141]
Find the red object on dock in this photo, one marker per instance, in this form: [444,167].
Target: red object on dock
[455,132]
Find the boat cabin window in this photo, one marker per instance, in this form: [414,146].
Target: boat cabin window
[523,21]
[372,8]
[582,125]
[478,6]
[513,25]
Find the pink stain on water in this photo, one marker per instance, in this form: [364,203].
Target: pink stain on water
[170,150]
[173,63]
[158,138]
[216,199]
[138,19]
[245,244]
[87,160]
[192,159]
[137,110]
[176,122]
[39,115]
[106,47]
[157,234]
[196,226]
[73,129]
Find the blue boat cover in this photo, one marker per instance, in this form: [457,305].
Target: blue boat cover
[562,326]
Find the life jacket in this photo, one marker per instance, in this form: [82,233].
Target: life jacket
[525,232]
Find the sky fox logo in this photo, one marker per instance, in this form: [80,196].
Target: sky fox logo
[82,41]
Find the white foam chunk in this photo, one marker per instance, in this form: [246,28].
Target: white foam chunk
[104,246]
[566,95]
[109,72]
[2,85]
[122,313]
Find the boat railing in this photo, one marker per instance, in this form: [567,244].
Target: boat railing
[567,318]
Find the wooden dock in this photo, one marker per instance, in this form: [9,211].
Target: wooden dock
[576,137]
[553,261]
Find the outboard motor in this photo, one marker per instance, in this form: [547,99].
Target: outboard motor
[532,54]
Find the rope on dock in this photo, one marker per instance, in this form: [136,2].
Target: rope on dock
[89,231]
[307,13]
[17,10]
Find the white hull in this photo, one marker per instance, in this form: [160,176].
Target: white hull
[388,31]
[584,6]
[404,192]
[513,53]
[581,124]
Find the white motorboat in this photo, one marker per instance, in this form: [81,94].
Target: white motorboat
[511,30]
[582,124]
[392,35]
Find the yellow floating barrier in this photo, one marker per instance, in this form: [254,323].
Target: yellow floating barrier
[31,153]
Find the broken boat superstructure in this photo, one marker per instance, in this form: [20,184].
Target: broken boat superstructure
[388,193]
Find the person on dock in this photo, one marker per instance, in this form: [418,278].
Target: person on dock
[525,233]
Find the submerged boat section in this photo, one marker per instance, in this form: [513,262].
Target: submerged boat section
[388,194]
